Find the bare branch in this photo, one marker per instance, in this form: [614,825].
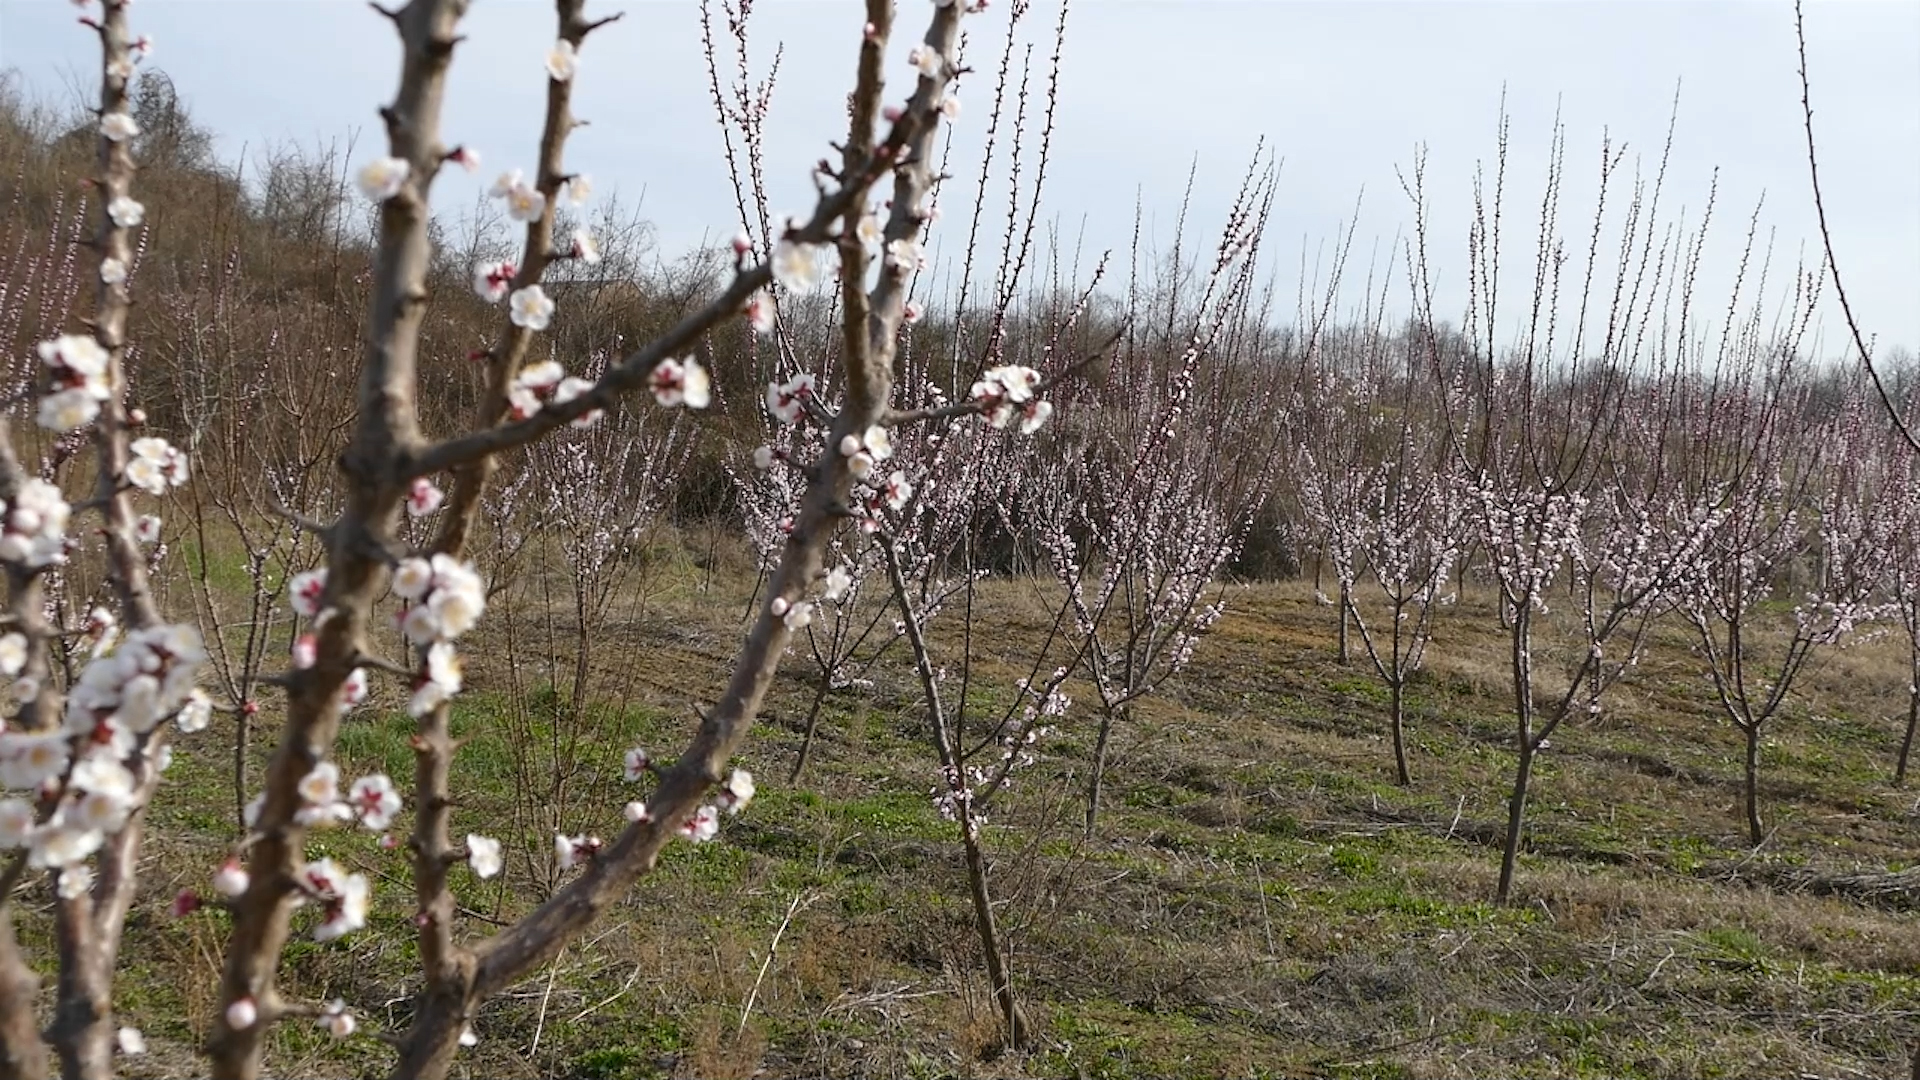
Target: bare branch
[1826,243]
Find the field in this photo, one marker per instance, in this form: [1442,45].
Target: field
[1261,900]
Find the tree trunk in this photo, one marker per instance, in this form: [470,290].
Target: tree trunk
[83,1014]
[1015,1019]
[1403,776]
[243,730]
[433,1039]
[1756,831]
[813,722]
[946,742]
[23,1056]
[1516,813]
[1098,779]
[1913,721]
[1346,650]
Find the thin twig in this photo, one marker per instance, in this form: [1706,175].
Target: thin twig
[1826,240]
[800,900]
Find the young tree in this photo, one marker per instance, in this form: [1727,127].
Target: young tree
[1901,504]
[1403,530]
[1789,499]
[929,553]
[1539,432]
[1153,496]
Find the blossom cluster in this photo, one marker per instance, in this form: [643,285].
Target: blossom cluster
[493,280]
[1007,391]
[524,201]
[447,597]
[790,401]
[863,450]
[343,898]
[544,383]
[681,382]
[92,767]
[33,527]
[704,824]
[156,465]
[78,367]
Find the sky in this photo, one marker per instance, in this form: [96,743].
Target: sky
[1345,95]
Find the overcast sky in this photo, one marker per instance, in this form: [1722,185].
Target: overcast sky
[1343,92]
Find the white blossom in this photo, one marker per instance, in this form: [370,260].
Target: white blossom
[118,127]
[704,825]
[760,311]
[13,653]
[787,401]
[584,247]
[483,855]
[336,1020]
[562,60]
[530,308]
[373,797]
[196,713]
[382,178]
[738,791]
[838,581]
[68,409]
[795,267]
[681,382]
[423,498]
[525,203]
[231,879]
[305,591]
[491,280]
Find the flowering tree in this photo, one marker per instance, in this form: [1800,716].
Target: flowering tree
[1901,503]
[570,534]
[1561,442]
[1786,500]
[79,770]
[1401,523]
[92,764]
[1152,500]
[928,549]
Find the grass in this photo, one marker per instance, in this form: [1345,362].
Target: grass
[1261,901]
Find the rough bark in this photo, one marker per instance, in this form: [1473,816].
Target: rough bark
[1097,781]
[1398,691]
[1516,816]
[361,544]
